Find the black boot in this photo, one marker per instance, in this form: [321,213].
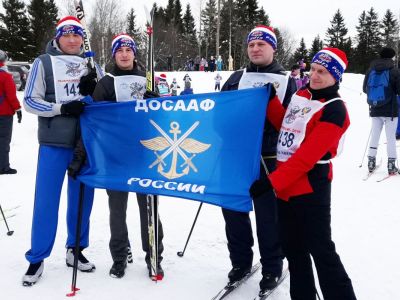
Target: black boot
[160,271]
[238,273]
[268,282]
[118,269]
[371,163]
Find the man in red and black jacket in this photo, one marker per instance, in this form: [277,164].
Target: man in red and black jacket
[9,104]
[262,69]
[311,131]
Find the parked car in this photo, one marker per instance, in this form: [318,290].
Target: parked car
[22,70]
[17,79]
[21,63]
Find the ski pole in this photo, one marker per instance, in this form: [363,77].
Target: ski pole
[9,232]
[366,147]
[77,250]
[181,253]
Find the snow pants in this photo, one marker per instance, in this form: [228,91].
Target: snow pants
[119,241]
[51,168]
[306,231]
[390,130]
[6,125]
[240,237]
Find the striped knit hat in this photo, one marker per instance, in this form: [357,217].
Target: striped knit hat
[122,40]
[333,59]
[264,33]
[69,25]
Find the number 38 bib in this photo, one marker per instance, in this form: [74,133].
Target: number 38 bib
[293,130]
[67,71]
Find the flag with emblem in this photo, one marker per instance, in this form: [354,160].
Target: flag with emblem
[203,147]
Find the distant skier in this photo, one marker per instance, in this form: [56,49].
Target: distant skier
[382,84]
[162,87]
[217,79]
[174,87]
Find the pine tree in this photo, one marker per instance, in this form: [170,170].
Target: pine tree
[137,35]
[43,17]
[263,18]
[368,38]
[316,45]
[336,33]
[15,36]
[169,11]
[178,15]
[389,29]
[301,52]
[189,39]
[208,20]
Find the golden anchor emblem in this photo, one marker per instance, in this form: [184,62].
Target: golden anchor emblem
[177,146]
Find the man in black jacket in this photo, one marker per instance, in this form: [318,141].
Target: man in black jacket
[261,70]
[125,83]
[385,112]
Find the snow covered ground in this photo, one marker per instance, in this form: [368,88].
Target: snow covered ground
[365,221]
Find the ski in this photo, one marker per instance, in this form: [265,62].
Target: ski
[11,208]
[230,287]
[369,174]
[8,217]
[263,296]
[152,200]
[386,177]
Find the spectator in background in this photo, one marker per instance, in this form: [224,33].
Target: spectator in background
[9,105]
[295,74]
[197,63]
[203,63]
[169,62]
[174,87]
[211,64]
[217,79]
[219,63]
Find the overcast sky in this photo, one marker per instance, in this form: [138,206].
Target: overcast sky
[303,18]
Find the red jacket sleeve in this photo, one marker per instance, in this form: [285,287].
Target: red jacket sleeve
[323,137]
[10,92]
[275,112]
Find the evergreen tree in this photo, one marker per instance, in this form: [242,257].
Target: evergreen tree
[336,33]
[249,14]
[208,20]
[189,39]
[368,38]
[389,29]
[169,11]
[301,52]
[43,17]
[316,45]
[15,35]
[178,15]
[137,34]
[263,17]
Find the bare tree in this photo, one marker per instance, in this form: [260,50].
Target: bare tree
[286,46]
[66,8]
[105,22]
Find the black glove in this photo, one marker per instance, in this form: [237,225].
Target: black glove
[88,83]
[19,115]
[260,187]
[73,108]
[150,94]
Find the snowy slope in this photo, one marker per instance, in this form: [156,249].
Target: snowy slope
[364,218]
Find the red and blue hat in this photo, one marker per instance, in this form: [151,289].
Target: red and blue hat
[333,59]
[264,33]
[122,40]
[69,25]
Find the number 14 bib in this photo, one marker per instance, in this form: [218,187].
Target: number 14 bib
[67,71]
[293,130]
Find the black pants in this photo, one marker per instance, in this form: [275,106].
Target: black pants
[306,231]
[240,237]
[6,126]
[119,241]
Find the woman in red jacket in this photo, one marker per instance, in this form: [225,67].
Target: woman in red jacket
[311,130]
[9,104]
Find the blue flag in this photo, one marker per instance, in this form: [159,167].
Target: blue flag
[204,147]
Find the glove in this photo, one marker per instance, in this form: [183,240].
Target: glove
[150,94]
[19,115]
[260,187]
[88,83]
[73,108]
